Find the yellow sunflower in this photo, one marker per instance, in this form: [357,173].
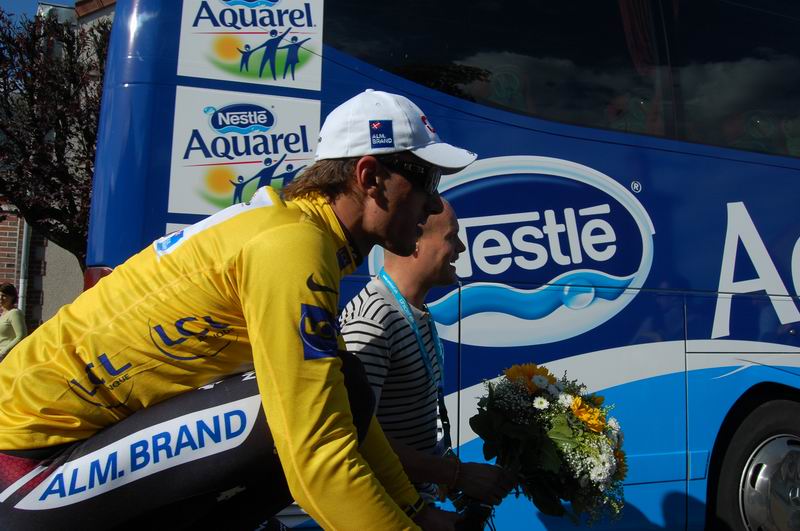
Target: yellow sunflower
[593,417]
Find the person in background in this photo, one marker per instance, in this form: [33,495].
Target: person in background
[12,321]
[388,326]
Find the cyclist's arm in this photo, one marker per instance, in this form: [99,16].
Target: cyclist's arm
[384,461]
[302,388]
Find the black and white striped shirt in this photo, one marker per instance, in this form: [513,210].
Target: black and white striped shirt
[375,330]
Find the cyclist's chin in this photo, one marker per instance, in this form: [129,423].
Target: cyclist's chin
[400,246]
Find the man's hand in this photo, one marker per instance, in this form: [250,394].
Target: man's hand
[485,483]
[432,519]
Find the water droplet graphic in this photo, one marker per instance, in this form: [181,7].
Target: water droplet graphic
[577,297]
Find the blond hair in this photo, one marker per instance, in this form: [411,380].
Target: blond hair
[329,178]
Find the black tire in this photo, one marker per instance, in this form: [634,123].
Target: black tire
[763,424]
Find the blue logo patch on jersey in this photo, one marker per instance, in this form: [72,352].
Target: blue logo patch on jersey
[318,331]
[164,244]
[381,134]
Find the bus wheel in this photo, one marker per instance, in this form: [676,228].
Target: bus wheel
[759,481]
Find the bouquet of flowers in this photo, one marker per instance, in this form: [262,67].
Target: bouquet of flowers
[558,439]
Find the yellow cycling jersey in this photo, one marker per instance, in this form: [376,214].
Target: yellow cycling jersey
[253,286]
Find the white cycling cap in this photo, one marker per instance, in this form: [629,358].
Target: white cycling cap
[378,123]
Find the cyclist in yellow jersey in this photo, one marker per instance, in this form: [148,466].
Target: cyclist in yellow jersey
[114,407]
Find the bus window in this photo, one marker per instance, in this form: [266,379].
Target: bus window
[738,67]
[598,64]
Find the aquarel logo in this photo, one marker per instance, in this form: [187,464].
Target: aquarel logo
[241,14]
[242,150]
[242,118]
[553,249]
[233,140]
[258,39]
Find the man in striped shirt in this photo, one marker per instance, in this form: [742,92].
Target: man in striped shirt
[389,328]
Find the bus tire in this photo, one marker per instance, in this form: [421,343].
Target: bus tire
[760,472]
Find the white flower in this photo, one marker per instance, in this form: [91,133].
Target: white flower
[598,474]
[553,390]
[540,381]
[540,403]
[613,423]
[566,400]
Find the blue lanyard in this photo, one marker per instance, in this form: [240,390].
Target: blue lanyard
[406,310]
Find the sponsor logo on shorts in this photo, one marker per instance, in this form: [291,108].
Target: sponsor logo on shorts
[155,449]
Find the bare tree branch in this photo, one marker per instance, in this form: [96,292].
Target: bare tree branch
[50,95]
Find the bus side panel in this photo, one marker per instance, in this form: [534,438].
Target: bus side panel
[125,202]
[758,351]
[129,188]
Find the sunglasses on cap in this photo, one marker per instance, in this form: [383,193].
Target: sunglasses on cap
[427,176]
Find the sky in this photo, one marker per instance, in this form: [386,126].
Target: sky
[28,7]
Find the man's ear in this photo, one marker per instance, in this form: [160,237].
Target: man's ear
[368,177]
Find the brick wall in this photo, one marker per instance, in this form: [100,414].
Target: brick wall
[11,233]
[10,248]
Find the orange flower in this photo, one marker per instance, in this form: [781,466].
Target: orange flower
[593,417]
[525,372]
[597,400]
[522,374]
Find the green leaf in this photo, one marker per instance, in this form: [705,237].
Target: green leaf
[561,433]
[549,458]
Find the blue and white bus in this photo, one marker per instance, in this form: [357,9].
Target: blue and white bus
[632,219]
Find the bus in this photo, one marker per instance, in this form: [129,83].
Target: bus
[632,218]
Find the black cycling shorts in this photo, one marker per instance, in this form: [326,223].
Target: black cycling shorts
[201,460]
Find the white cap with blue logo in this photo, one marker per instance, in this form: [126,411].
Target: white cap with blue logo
[378,123]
